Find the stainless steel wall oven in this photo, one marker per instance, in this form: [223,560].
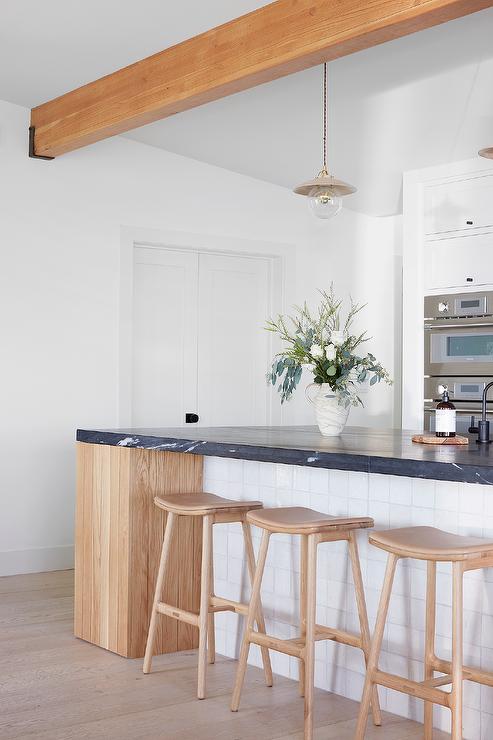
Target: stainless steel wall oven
[458,353]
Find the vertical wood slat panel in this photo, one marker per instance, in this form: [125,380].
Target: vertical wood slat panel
[97,493]
[104,548]
[115,541]
[86,593]
[119,533]
[121,459]
[84,469]
[141,475]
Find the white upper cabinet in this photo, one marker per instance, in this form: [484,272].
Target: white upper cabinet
[459,262]
[461,205]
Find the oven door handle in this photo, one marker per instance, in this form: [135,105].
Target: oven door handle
[432,327]
[464,410]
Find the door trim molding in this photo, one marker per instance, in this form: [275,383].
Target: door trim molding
[280,254]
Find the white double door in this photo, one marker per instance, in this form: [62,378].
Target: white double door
[199,346]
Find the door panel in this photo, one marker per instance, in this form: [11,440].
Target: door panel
[234,350]
[164,373]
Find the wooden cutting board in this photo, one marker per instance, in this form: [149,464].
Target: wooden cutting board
[428,439]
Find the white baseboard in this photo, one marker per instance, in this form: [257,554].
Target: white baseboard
[38,560]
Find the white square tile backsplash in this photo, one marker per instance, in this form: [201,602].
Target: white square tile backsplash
[392,501]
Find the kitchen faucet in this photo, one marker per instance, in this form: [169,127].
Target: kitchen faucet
[483,427]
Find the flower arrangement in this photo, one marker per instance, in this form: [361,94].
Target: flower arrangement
[317,342]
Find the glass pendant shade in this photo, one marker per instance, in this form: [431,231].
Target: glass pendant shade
[325,192]
[324,203]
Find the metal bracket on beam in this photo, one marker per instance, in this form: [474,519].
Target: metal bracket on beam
[32,153]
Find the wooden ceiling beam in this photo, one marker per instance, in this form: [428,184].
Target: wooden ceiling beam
[278,39]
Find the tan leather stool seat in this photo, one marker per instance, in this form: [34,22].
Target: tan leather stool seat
[299,520]
[429,543]
[194,504]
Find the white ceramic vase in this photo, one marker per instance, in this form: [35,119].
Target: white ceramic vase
[331,416]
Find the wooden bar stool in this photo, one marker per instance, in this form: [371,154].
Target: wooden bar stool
[314,528]
[213,510]
[432,545]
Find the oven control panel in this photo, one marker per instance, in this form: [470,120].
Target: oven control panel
[459,389]
[459,305]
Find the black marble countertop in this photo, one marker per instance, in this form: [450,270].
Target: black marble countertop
[388,451]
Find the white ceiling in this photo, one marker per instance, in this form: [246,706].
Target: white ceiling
[418,101]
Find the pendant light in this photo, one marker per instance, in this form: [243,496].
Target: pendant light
[324,192]
[488,153]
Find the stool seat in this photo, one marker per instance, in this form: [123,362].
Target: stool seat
[429,543]
[299,520]
[199,504]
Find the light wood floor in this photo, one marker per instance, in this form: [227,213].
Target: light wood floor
[54,687]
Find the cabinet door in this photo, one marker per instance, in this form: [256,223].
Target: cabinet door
[463,205]
[458,262]
[234,349]
[164,368]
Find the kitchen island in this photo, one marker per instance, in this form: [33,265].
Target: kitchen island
[363,472]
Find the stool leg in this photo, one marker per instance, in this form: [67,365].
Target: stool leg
[363,618]
[303,559]
[375,647]
[311,596]
[205,587]
[457,649]
[151,635]
[247,536]
[430,641]
[211,626]
[252,612]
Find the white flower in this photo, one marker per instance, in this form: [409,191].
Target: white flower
[316,351]
[337,337]
[330,352]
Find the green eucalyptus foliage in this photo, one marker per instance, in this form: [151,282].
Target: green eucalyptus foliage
[318,343]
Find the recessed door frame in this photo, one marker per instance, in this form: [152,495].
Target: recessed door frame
[281,259]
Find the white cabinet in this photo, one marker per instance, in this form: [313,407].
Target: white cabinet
[442,253]
[458,232]
[459,262]
[461,205]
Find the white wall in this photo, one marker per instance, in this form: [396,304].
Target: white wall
[362,255]
[59,281]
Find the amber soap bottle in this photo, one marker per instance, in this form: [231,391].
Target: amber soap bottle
[445,417]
